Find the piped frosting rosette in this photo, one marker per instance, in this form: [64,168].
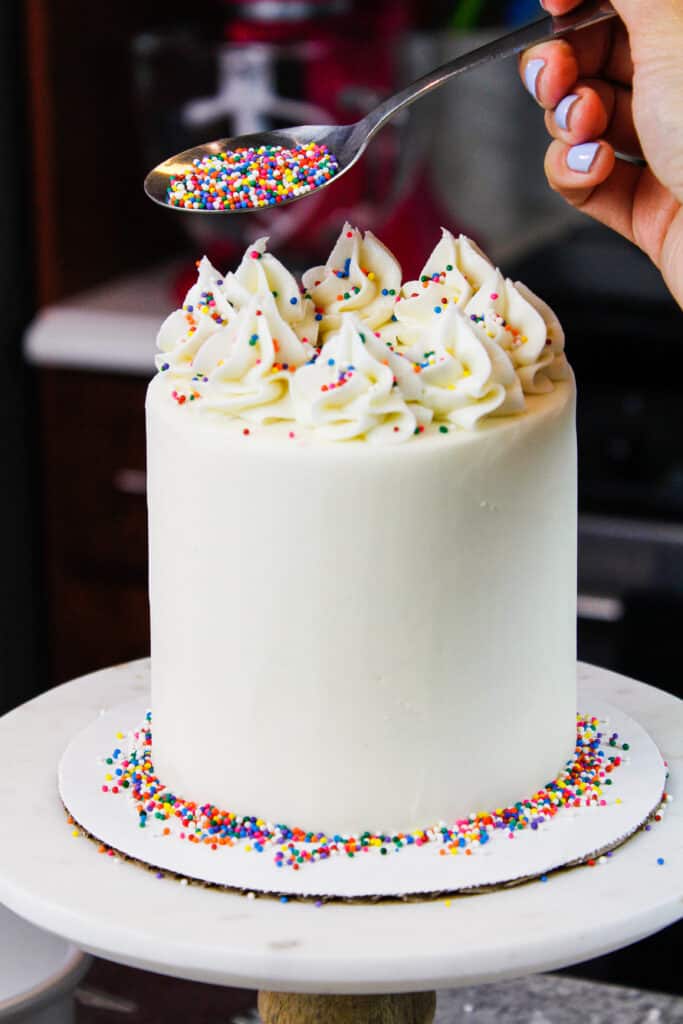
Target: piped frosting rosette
[457,274]
[215,300]
[260,273]
[461,377]
[361,276]
[206,311]
[352,390]
[246,369]
[450,277]
[513,318]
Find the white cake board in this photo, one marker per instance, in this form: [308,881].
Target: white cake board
[572,836]
[116,910]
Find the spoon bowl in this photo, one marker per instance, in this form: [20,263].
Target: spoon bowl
[349,142]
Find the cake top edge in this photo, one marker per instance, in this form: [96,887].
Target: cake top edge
[353,352]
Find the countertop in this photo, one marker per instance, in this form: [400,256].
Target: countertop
[555,999]
[111,328]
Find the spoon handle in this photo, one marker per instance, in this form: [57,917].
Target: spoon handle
[589,13]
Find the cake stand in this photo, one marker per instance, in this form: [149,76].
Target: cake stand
[338,962]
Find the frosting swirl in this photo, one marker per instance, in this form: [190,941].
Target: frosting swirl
[259,274]
[205,312]
[350,390]
[463,377]
[361,276]
[449,278]
[247,368]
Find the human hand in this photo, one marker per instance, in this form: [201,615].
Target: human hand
[619,86]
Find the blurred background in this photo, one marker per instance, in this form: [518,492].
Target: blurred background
[91,96]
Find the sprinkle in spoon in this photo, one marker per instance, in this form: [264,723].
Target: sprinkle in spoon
[269,169]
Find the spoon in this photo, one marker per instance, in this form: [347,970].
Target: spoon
[349,141]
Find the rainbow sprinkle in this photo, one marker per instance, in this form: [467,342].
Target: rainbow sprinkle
[581,784]
[249,179]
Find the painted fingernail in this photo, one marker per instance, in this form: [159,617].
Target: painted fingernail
[562,111]
[531,73]
[581,158]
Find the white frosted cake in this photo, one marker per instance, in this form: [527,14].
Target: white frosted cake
[362,501]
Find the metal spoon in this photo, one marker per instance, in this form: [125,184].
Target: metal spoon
[349,141]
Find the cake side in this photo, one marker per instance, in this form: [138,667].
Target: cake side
[348,636]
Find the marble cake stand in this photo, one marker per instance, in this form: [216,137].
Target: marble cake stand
[340,962]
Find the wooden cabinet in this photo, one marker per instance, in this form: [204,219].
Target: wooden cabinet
[91,222]
[91,218]
[95,519]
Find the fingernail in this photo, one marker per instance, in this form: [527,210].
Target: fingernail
[562,111]
[531,73]
[581,158]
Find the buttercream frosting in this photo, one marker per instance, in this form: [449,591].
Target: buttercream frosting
[351,390]
[364,632]
[458,274]
[355,355]
[361,276]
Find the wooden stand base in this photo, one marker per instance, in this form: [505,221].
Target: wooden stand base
[291,1008]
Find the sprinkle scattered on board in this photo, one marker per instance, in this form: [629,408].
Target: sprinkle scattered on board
[581,784]
[250,179]
[77,832]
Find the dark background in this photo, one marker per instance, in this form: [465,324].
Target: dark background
[21,669]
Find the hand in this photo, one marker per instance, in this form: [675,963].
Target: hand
[619,86]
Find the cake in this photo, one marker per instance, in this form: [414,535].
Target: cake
[362,533]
